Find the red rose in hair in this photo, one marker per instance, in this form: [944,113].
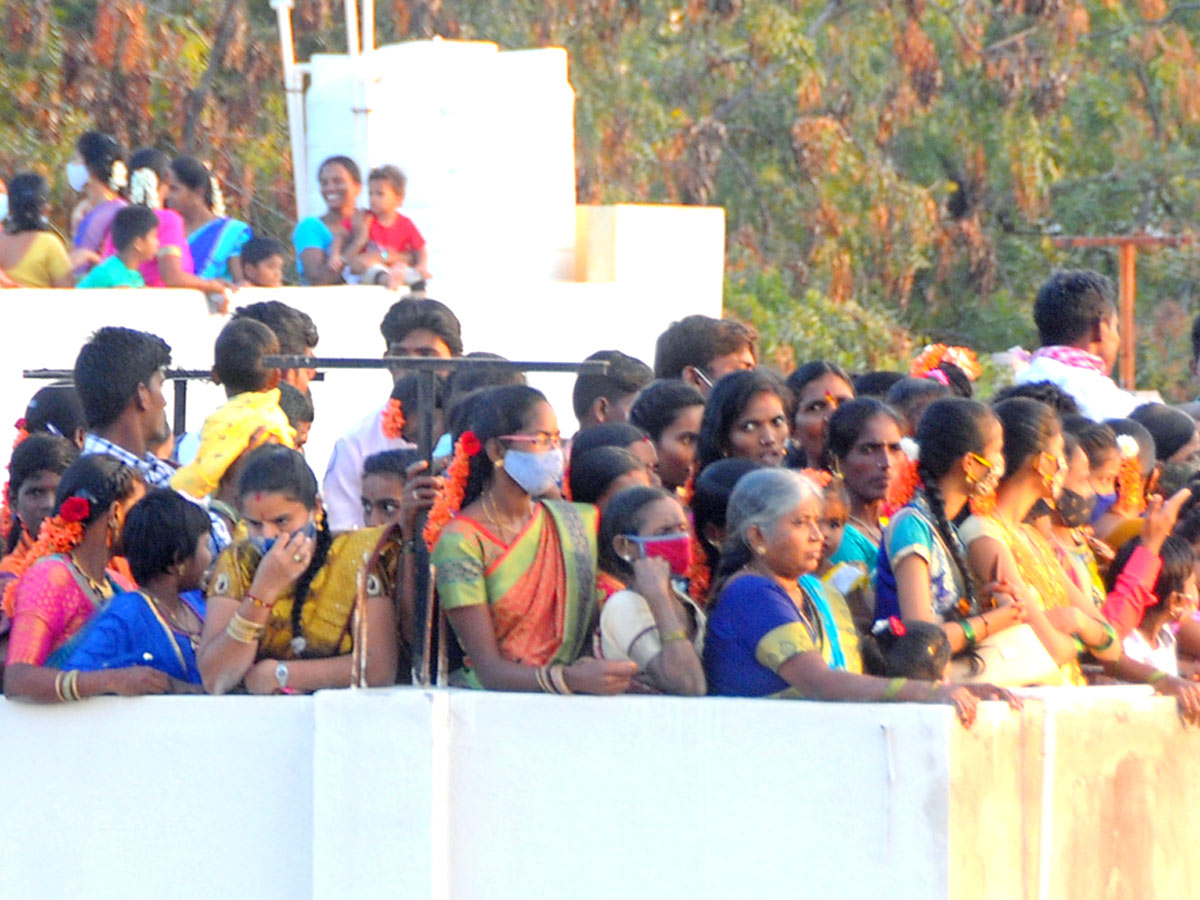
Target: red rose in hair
[897,627]
[75,509]
[470,443]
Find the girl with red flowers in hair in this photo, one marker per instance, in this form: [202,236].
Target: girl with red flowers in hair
[65,577]
[516,571]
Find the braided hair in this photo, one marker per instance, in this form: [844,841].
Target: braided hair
[950,428]
[274,468]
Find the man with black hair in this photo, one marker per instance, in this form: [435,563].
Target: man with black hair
[608,398]
[411,327]
[296,331]
[1077,325]
[700,350]
[119,377]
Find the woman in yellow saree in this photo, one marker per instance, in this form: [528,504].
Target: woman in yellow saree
[281,603]
[515,572]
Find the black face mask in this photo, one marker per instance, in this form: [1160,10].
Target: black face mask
[1039,509]
[1075,510]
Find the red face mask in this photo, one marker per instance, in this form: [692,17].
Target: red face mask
[676,549]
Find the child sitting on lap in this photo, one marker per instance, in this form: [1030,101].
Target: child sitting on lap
[395,237]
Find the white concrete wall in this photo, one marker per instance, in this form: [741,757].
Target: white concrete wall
[447,794]
[650,277]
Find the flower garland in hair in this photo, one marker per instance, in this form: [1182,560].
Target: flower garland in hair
[118,175]
[449,502]
[218,198]
[933,355]
[393,421]
[6,516]
[699,575]
[1131,497]
[819,477]
[59,533]
[903,484]
[143,188]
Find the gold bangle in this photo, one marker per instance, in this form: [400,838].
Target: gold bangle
[244,631]
[895,686]
[1155,676]
[987,626]
[58,686]
[70,687]
[677,635]
[559,679]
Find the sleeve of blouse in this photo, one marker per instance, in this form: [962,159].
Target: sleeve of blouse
[1133,591]
[172,240]
[627,624]
[458,557]
[40,614]
[310,233]
[768,620]
[58,264]
[910,535]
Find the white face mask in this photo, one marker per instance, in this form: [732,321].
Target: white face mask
[3,207]
[77,176]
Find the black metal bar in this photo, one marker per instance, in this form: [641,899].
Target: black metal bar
[180,407]
[435,364]
[170,374]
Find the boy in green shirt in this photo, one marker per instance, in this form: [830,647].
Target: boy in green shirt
[135,235]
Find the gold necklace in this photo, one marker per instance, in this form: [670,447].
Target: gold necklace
[101,590]
[493,514]
[191,632]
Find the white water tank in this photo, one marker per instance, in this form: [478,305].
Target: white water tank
[486,138]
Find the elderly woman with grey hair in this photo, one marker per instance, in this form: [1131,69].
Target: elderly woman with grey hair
[772,631]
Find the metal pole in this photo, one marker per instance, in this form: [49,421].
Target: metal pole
[1128,288]
[180,407]
[293,85]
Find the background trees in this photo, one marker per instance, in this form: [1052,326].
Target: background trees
[891,170]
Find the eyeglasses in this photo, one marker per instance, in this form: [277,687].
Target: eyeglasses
[541,441]
[982,460]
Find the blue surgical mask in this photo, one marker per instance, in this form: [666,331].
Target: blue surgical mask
[536,473]
[264,544]
[77,176]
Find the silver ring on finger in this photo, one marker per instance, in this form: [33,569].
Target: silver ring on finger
[297,557]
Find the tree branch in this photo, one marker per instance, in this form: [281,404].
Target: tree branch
[226,25]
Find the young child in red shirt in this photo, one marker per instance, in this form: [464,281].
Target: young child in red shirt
[385,230]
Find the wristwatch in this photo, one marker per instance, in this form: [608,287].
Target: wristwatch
[281,678]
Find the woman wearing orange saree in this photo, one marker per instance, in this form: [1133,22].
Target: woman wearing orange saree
[516,573]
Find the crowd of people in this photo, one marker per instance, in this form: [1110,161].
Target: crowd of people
[712,527]
[147,220]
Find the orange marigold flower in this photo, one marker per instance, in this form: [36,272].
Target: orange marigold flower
[393,420]
[450,501]
[933,355]
[1131,497]
[903,485]
[699,575]
[55,536]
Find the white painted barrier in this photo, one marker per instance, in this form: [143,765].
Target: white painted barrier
[407,793]
[639,269]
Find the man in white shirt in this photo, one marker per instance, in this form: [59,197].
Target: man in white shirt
[411,327]
[1078,327]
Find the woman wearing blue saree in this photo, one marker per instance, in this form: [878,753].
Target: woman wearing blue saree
[214,239]
[772,631]
[159,624]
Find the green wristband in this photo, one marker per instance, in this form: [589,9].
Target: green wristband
[968,631]
[895,686]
